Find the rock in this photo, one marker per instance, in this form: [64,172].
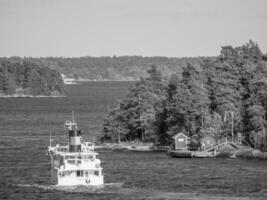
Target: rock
[251,153]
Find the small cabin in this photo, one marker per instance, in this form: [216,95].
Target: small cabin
[207,142]
[181,141]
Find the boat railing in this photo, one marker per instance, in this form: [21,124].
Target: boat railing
[58,148]
[70,164]
[88,146]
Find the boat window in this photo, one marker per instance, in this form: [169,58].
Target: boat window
[62,174]
[67,173]
[96,173]
[79,173]
[70,157]
[71,161]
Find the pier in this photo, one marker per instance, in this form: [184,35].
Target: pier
[209,146]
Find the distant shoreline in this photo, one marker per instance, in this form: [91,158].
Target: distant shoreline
[104,80]
[29,96]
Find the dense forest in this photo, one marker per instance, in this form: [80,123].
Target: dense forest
[109,68]
[28,79]
[221,97]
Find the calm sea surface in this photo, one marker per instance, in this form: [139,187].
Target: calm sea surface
[25,124]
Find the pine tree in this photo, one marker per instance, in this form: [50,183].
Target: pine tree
[189,103]
[139,109]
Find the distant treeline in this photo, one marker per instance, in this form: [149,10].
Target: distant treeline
[204,98]
[28,78]
[110,68]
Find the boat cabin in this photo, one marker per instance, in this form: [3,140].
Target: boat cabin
[207,142]
[180,141]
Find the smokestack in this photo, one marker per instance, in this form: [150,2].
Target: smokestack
[75,140]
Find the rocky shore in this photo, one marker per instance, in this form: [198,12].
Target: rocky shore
[131,146]
[226,151]
[251,154]
[242,152]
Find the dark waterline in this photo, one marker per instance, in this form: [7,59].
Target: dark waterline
[25,124]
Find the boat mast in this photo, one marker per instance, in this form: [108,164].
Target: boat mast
[72,114]
[50,139]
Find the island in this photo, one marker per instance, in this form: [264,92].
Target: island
[223,99]
[28,79]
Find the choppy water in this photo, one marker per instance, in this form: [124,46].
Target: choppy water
[25,170]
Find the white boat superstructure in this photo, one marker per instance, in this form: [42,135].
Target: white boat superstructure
[75,163]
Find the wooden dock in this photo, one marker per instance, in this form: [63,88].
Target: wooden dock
[180,153]
[209,152]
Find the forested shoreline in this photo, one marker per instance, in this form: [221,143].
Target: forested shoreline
[115,68]
[27,79]
[201,99]
[199,96]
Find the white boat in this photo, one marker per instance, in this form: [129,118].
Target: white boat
[75,163]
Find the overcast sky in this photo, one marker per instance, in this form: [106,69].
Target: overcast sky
[173,28]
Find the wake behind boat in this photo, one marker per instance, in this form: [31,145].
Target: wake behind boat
[106,188]
[76,163]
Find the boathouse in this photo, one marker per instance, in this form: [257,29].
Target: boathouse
[207,142]
[180,141]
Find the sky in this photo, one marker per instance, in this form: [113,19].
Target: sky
[173,28]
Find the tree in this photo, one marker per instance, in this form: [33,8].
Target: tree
[188,102]
[225,92]
[138,109]
[213,125]
[219,97]
[29,78]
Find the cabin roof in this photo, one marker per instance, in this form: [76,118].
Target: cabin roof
[178,134]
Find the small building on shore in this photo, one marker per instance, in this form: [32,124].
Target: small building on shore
[207,142]
[180,141]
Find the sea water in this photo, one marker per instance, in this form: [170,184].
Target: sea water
[25,126]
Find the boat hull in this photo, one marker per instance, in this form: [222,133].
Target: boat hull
[88,181]
[107,188]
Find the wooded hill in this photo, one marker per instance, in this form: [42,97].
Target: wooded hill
[28,79]
[202,99]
